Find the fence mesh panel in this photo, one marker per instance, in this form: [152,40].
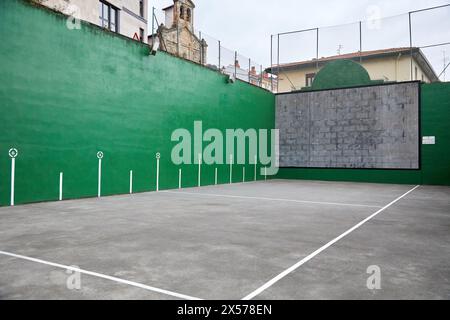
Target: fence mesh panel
[427,30]
[214,55]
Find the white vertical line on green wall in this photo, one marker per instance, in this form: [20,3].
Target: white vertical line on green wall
[256,162]
[100,157]
[199,169]
[99,193]
[158,156]
[180,173]
[215,176]
[131,181]
[61,177]
[231,168]
[13,153]
[13,173]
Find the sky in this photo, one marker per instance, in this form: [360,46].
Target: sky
[246,26]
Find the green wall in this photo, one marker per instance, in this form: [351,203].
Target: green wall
[66,94]
[436,122]
[435,159]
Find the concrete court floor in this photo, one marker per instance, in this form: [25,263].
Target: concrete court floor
[228,241]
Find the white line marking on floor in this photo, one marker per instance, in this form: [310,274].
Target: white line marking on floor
[100,275]
[272,199]
[315,253]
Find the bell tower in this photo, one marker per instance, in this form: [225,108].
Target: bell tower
[183,14]
[178,35]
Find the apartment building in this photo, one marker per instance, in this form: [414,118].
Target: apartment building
[126,17]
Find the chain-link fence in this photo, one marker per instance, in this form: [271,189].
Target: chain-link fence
[206,50]
[411,46]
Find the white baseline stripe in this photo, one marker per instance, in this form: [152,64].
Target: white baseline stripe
[271,199]
[103,276]
[315,253]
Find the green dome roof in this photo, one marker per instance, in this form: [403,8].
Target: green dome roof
[339,74]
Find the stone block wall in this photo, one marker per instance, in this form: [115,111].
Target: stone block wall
[366,127]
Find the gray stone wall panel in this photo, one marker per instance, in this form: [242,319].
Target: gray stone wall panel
[369,127]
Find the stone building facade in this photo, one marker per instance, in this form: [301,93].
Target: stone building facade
[177,35]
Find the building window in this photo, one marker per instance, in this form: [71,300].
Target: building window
[416,74]
[309,79]
[104,15]
[113,20]
[109,17]
[141,8]
[188,15]
[141,34]
[182,12]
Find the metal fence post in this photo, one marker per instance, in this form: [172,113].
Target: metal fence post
[219,55]
[153,24]
[249,69]
[278,56]
[260,75]
[201,47]
[317,49]
[360,42]
[411,44]
[271,62]
[235,64]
